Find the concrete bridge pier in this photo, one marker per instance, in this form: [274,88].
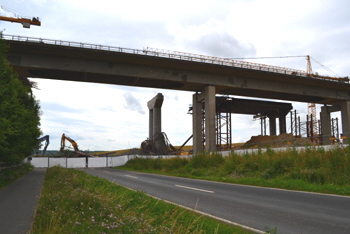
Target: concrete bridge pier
[282,122]
[326,111]
[345,118]
[155,115]
[208,97]
[272,125]
[281,115]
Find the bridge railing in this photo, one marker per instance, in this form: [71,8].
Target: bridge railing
[176,55]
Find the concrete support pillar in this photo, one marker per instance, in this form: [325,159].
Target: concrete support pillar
[272,123]
[345,119]
[326,125]
[155,115]
[197,123]
[282,122]
[157,120]
[150,125]
[208,96]
[210,111]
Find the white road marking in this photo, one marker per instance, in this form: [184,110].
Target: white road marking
[131,176]
[202,190]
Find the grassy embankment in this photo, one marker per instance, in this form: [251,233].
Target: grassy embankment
[9,175]
[314,170]
[74,202]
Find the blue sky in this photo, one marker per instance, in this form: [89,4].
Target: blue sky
[109,117]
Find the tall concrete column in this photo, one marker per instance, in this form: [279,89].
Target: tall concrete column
[210,110]
[197,123]
[155,115]
[345,119]
[272,125]
[326,125]
[282,122]
[150,125]
[157,120]
[208,96]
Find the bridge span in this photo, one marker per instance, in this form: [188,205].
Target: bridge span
[73,61]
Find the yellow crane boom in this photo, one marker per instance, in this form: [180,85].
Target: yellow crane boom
[24,21]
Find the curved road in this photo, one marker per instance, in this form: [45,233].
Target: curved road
[255,207]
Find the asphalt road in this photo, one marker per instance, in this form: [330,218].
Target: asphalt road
[255,207]
[18,202]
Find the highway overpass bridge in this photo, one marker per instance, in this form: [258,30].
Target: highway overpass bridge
[205,76]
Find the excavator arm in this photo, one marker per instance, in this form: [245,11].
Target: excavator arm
[74,144]
[47,139]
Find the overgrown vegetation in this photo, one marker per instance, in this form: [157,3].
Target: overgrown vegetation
[19,115]
[74,202]
[312,169]
[9,175]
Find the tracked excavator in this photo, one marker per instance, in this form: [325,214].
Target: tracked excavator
[76,153]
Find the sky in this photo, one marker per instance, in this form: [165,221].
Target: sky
[111,117]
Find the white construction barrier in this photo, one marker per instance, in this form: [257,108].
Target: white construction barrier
[76,162]
[98,162]
[39,162]
[58,162]
[117,161]
[82,162]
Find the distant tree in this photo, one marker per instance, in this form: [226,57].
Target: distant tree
[19,114]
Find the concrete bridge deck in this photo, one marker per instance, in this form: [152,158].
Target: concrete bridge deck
[60,60]
[206,76]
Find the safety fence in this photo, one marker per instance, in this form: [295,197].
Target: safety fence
[108,161]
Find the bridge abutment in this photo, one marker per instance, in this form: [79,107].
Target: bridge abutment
[326,111]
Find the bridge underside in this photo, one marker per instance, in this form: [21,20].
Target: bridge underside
[49,61]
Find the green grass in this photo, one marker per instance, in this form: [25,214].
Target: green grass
[314,170]
[74,202]
[9,175]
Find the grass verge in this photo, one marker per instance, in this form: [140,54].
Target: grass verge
[9,175]
[74,202]
[313,170]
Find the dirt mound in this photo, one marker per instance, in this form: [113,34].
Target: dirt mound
[282,140]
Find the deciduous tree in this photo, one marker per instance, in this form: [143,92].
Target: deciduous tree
[19,114]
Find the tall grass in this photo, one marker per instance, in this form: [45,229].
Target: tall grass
[312,169]
[74,202]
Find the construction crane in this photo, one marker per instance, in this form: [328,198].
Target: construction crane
[25,21]
[311,107]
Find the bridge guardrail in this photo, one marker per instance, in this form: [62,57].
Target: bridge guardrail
[165,54]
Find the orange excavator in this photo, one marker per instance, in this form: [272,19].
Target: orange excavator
[25,21]
[74,144]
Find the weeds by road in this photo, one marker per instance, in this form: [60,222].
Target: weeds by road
[11,174]
[314,170]
[74,202]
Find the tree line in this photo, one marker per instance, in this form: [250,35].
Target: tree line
[19,114]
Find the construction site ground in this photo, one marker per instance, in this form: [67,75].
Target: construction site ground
[282,140]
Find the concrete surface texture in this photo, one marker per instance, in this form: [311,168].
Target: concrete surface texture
[18,202]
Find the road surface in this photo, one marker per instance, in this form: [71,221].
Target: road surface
[255,207]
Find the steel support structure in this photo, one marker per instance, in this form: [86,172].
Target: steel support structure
[223,131]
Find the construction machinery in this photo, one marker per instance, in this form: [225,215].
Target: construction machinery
[68,153]
[47,139]
[25,21]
